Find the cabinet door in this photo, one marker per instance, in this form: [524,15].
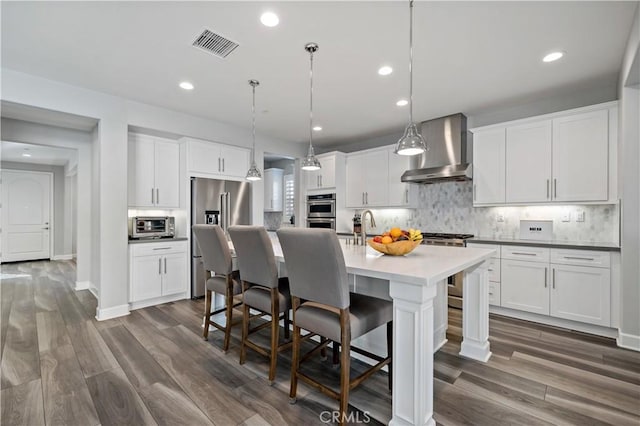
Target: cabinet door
[204,157]
[525,286]
[489,167]
[356,177]
[174,273]
[581,293]
[234,161]
[377,179]
[141,168]
[147,278]
[312,178]
[398,191]
[580,157]
[273,190]
[327,172]
[167,174]
[528,163]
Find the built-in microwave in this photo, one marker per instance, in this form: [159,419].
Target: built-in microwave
[152,227]
[321,205]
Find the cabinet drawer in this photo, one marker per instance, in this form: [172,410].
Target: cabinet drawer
[159,248]
[600,259]
[532,254]
[495,247]
[494,293]
[494,269]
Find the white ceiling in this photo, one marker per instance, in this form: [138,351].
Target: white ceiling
[13,151]
[469,57]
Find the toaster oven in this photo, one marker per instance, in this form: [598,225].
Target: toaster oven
[152,227]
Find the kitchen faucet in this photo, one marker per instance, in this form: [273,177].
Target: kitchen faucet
[363,230]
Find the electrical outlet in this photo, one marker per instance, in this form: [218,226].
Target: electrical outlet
[580,216]
[566,217]
[500,217]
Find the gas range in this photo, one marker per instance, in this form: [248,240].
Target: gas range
[443,239]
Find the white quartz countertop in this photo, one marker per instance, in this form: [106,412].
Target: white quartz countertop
[425,265]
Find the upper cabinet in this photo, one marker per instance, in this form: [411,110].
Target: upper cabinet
[208,158]
[558,158]
[331,172]
[400,194]
[154,172]
[273,190]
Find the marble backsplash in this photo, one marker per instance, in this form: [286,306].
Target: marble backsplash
[448,207]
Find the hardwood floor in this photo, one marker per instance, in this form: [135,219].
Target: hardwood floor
[61,366]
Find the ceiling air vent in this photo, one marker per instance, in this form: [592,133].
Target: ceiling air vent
[215,43]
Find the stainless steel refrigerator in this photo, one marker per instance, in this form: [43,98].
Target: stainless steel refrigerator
[226,203]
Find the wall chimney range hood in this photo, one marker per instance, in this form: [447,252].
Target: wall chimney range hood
[446,159]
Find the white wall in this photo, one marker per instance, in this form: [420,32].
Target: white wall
[629,180]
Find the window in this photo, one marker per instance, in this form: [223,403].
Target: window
[289,197]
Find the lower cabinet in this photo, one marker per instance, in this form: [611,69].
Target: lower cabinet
[525,286]
[157,271]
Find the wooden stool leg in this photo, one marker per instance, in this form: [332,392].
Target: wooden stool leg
[295,354]
[345,365]
[245,333]
[390,353]
[275,329]
[207,314]
[229,314]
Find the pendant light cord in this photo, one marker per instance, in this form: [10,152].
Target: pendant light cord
[253,123]
[311,98]
[411,62]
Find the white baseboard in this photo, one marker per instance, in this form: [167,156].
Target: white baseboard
[628,341]
[94,291]
[113,312]
[158,301]
[62,257]
[83,285]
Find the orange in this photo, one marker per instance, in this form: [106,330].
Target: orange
[395,232]
[387,239]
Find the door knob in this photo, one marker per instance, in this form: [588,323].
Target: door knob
[46,228]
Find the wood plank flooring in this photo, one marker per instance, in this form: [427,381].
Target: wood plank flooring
[60,366]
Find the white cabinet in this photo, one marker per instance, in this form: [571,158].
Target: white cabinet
[332,165]
[528,162]
[580,157]
[157,272]
[273,190]
[489,167]
[400,193]
[493,269]
[525,286]
[154,172]
[210,158]
[367,179]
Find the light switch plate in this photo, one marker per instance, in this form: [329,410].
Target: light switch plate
[566,217]
[580,216]
[536,230]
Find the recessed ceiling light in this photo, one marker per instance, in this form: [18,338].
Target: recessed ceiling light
[269,19]
[402,102]
[186,85]
[317,128]
[25,154]
[553,56]
[385,70]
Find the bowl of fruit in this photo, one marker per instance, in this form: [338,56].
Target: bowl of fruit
[396,242]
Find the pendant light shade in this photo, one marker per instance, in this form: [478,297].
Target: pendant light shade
[253,173]
[411,142]
[311,163]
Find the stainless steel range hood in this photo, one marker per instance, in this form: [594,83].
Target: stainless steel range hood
[446,158]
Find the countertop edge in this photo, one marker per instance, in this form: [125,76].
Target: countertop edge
[551,244]
[158,240]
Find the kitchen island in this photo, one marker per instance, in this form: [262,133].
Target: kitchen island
[413,281]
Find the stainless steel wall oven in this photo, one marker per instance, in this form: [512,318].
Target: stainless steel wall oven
[321,211]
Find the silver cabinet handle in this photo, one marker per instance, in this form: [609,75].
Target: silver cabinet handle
[367,197]
[219,168]
[363,198]
[157,196]
[474,192]
[162,248]
[223,164]
[553,280]
[159,265]
[46,228]
[406,196]
[545,277]
[578,258]
[490,270]
[490,294]
[547,188]
[153,199]
[523,254]
[165,265]
[555,188]
[318,179]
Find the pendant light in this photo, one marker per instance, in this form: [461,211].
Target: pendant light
[411,142]
[311,163]
[253,173]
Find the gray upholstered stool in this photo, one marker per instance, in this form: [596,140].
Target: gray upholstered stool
[263,290]
[217,260]
[322,305]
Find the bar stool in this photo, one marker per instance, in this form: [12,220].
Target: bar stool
[217,259]
[263,291]
[323,305]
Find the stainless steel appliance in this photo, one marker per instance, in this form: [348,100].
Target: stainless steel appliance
[215,202]
[454,282]
[141,227]
[321,211]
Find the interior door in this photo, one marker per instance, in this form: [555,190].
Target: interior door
[26,215]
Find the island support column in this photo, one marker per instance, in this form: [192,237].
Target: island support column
[475,313]
[413,323]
